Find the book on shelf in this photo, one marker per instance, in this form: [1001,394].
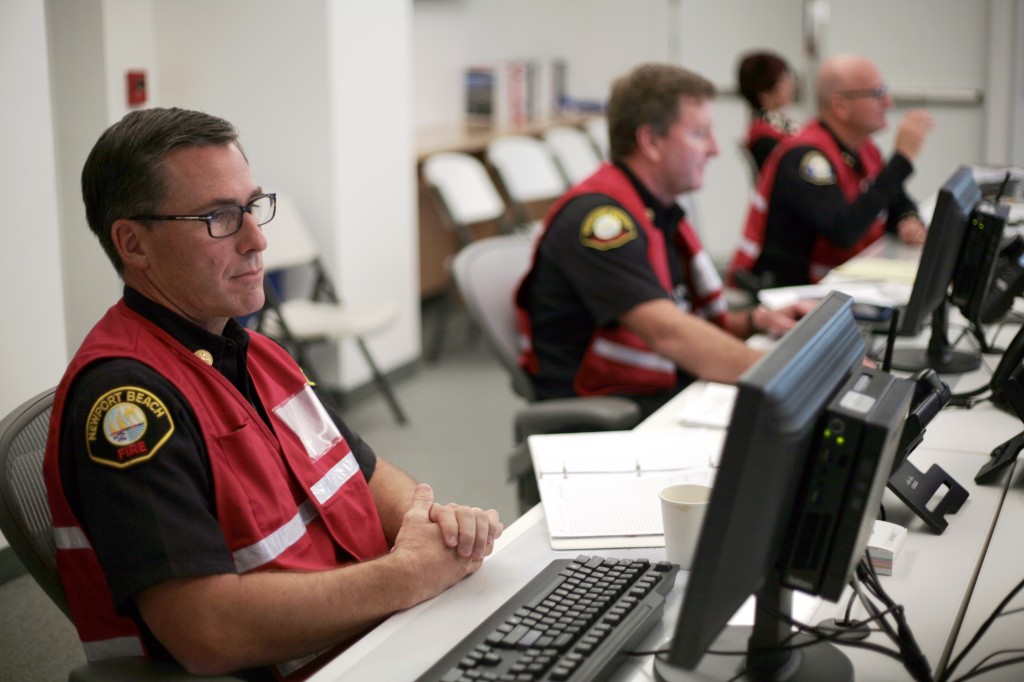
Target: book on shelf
[511,93]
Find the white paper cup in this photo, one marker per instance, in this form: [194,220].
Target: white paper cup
[682,513]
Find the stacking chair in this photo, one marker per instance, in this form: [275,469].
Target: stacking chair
[465,197]
[528,172]
[597,128]
[487,273]
[26,524]
[574,151]
[465,193]
[321,316]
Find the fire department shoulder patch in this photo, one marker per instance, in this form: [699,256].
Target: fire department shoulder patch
[607,227]
[127,426]
[816,169]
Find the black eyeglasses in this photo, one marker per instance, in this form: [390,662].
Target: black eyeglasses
[226,221]
[879,92]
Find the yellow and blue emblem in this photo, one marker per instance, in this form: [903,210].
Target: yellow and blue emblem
[816,169]
[126,426]
[607,227]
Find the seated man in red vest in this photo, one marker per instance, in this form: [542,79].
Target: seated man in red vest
[621,298]
[825,193]
[207,507]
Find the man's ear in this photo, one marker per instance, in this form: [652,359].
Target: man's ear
[130,243]
[648,142]
[838,106]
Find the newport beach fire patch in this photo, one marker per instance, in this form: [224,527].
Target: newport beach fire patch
[607,227]
[126,426]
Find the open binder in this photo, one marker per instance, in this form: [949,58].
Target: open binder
[600,490]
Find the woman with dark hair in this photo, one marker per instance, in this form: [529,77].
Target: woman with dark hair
[768,85]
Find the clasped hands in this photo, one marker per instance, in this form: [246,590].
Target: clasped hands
[470,531]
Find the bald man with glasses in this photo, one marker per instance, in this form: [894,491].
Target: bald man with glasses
[827,193]
[208,509]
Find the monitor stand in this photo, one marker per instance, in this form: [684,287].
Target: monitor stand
[918,490]
[939,355]
[753,653]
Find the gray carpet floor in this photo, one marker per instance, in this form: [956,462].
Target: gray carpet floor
[460,429]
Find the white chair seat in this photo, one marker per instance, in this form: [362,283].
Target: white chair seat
[308,320]
[319,315]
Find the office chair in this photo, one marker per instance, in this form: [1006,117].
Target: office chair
[574,151]
[26,524]
[597,128]
[487,273]
[528,172]
[299,322]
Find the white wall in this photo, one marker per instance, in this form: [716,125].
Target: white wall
[372,196]
[917,44]
[84,84]
[320,95]
[326,94]
[32,351]
[599,39]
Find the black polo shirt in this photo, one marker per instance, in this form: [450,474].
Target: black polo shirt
[573,289]
[800,211]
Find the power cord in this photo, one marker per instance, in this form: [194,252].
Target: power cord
[947,674]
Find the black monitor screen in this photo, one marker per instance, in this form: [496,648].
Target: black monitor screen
[956,199]
[745,546]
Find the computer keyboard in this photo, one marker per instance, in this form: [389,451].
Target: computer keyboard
[576,620]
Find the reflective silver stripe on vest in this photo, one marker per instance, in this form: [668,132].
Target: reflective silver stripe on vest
[306,417]
[70,537]
[759,202]
[713,309]
[112,648]
[706,280]
[275,544]
[524,342]
[749,247]
[626,355]
[332,481]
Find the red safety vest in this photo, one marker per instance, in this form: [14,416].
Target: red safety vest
[825,255]
[286,499]
[617,360]
[759,128]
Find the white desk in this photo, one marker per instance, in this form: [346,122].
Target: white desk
[934,578]
[1001,570]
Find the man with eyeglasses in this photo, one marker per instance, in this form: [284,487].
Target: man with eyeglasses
[207,507]
[826,193]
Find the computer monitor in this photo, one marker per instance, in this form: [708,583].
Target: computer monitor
[958,196]
[786,454]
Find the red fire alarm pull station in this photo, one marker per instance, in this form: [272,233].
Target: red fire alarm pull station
[136,87]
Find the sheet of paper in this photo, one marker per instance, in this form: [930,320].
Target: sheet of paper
[881,269]
[874,293]
[706,403]
[620,451]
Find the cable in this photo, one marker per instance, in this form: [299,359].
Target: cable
[914,660]
[979,667]
[948,672]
